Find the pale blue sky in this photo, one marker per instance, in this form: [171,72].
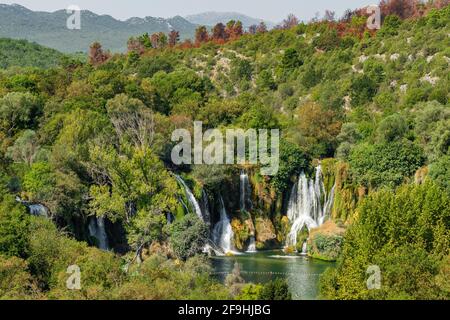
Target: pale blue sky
[273,10]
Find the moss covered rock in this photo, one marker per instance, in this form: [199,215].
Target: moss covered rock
[325,242]
[242,231]
[266,236]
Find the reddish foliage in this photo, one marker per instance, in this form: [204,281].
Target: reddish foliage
[174,38]
[201,35]
[96,54]
[218,32]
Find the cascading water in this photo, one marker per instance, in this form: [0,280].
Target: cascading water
[205,207]
[223,232]
[246,204]
[252,246]
[309,205]
[191,198]
[305,248]
[37,210]
[97,230]
[245,189]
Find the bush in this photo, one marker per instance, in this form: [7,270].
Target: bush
[188,236]
[386,164]
[326,247]
[406,234]
[275,290]
[392,128]
[440,172]
[13,228]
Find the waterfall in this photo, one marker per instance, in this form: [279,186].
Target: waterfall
[205,207]
[305,248]
[309,205]
[252,246]
[36,209]
[97,230]
[245,192]
[223,232]
[191,198]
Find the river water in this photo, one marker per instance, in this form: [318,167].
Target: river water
[302,273]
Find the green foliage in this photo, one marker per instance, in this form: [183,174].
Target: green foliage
[432,123]
[392,128]
[440,172]
[290,61]
[149,66]
[18,111]
[275,290]
[15,281]
[265,80]
[96,141]
[328,40]
[136,176]
[241,70]
[326,247]
[406,234]
[25,149]
[292,162]
[13,228]
[390,26]
[39,182]
[188,236]
[386,164]
[250,292]
[26,54]
[363,89]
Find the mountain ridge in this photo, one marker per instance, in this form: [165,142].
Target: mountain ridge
[49,28]
[211,18]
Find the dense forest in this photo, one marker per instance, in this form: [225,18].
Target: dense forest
[86,143]
[25,54]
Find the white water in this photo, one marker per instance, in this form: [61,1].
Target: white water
[305,248]
[37,210]
[252,246]
[223,232]
[245,201]
[97,230]
[309,205]
[191,198]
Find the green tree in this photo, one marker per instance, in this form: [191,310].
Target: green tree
[25,148]
[133,187]
[406,234]
[265,80]
[386,164]
[188,236]
[392,128]
[275,290]
[13,228]
[18,111]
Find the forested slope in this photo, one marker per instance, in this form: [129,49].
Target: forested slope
[93,139]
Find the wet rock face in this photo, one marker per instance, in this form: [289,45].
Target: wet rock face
[265,233]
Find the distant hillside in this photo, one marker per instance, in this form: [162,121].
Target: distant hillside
[26,54]
[49,29]
[212,18]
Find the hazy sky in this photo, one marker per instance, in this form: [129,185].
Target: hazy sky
[273,10]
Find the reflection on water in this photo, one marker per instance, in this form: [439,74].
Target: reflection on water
[302,273]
